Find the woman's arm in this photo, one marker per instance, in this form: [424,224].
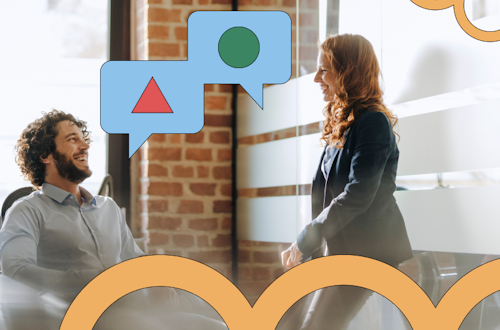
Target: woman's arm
[373,136]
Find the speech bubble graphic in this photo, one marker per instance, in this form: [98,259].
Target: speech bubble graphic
[463,21]
[250,48]
[236,311]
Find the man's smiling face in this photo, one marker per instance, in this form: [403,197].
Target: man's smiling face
[71,155]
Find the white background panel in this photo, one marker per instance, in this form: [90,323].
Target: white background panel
[426,52]
[461,139]
[365,18]
[463,220]
[269,164]
[268,219]
[310,100]
[309,154]
[280,110]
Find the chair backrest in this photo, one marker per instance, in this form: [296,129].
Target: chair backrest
[106,188]
[14,196]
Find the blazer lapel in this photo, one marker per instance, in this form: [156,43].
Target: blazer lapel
[317,189]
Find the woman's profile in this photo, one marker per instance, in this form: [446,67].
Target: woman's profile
[353,207]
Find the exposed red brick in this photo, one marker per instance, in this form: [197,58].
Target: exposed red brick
[154,1]
[165,189]
[203,171]
[157,170]
[203,224]
[277,246]
[244,273]
[220,137]
[225,2]
[252,290]
[226,189]
[245,243]
[181,32]
[184,50]
[209,88]
[278,272]
[164,49]
[222,172]
[203,189]
[184,240]
[222,240]
[241,90]
[223,207]
[266,257]
[157,205]
[180,171]
[266,2]
[158,238]
[215,102]
[224,155]
[202,240]
[182,2]
[163,15]
[164,222]
[165,153]
[199,154]
[218,120]
[202,2]
[226,223]
[305,19]
[194,138]
[190,206]
[245,2]
[261,274]
[175,138]
[158,32]
[226,88]
[211,256]
[312,4]
[157,138]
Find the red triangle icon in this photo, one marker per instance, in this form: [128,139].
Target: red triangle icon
[152,100]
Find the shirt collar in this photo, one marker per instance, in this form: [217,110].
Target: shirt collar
[59,195]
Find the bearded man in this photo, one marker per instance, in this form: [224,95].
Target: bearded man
[60,237]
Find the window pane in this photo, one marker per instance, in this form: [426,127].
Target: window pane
[51,58]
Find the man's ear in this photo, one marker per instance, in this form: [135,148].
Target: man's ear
[46,160]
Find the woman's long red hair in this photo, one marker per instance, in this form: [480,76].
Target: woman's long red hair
[356,67]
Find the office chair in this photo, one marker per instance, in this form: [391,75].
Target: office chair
[14,196]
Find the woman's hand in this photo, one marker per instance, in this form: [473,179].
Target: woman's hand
[291,257]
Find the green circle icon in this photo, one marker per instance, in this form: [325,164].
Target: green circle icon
[239,47]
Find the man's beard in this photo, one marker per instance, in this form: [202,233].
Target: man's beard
[68,170]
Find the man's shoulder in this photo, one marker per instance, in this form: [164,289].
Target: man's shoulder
[26,202]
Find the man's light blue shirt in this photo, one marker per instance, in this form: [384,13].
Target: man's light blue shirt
[51,242]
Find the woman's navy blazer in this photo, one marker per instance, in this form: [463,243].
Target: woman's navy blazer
[354,210]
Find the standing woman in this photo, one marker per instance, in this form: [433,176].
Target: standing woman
[353,207]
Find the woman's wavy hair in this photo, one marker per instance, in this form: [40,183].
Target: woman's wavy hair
[38,141]
[357,78]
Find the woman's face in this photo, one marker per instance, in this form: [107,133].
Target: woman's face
[326,78]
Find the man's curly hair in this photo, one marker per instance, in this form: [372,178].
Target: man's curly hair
[38,141]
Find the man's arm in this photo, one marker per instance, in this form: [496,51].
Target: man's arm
[19,239]
[129,248]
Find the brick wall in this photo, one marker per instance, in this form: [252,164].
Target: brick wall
[182,183]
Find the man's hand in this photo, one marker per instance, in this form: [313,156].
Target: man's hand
[291,257]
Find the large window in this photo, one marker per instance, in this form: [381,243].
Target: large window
[52,51]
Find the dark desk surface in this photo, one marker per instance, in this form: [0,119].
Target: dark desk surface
[22,307]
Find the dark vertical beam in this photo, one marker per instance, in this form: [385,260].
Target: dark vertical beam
[234,228]
[119,50]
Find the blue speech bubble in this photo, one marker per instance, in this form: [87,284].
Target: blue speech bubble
[180,84]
